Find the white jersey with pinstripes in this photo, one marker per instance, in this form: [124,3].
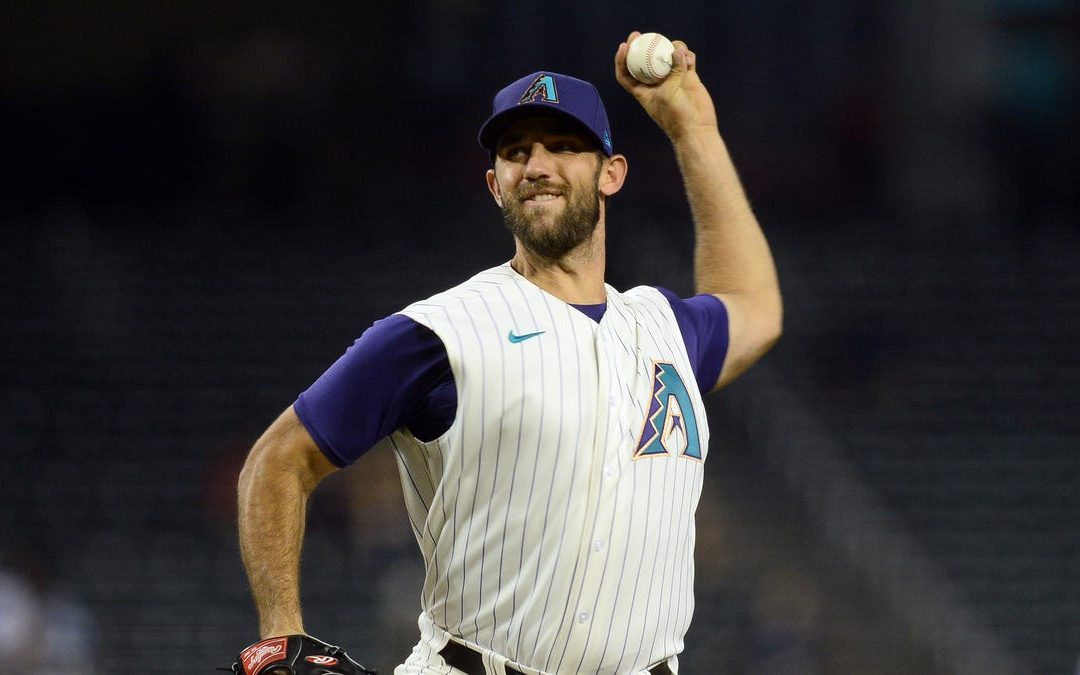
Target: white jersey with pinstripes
[556,515]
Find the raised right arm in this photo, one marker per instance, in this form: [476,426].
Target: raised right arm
[280,473]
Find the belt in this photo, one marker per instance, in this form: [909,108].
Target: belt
[467,660]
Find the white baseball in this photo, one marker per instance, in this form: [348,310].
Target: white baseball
[649,58]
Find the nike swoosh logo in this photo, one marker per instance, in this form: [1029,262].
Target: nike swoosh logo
[522,338]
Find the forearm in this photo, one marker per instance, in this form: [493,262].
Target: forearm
[272,510]
[731,254]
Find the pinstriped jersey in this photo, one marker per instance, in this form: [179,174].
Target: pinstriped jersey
[556,514]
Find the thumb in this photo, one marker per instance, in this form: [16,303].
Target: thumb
[683,61]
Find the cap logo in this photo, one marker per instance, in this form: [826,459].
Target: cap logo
[541,89]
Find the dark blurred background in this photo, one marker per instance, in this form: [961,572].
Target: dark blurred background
[204,203]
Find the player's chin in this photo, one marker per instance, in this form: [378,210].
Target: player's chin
[543,216]
[545,224]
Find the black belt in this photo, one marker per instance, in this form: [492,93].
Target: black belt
[469,661]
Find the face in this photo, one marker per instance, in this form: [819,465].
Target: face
[546,179]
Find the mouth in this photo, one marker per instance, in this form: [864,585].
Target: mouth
[540,197]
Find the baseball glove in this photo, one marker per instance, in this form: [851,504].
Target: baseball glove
[296,655]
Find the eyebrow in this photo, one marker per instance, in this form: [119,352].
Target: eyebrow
[554,128]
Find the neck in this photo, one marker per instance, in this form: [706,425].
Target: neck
[577,278]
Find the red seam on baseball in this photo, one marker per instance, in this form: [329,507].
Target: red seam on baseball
[649,55]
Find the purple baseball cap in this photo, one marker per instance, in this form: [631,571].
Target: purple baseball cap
[547,92]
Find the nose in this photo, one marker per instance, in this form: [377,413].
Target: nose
[539,163]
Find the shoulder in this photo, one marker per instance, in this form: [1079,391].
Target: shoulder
[651,299]
[395,334]
[693,307]
[642,295]
[472,292]
[702,322]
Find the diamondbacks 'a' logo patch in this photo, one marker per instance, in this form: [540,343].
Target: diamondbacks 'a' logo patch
[541,89]
[671,426]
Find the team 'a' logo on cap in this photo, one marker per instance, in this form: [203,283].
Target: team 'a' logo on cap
[542,89]
[671,427]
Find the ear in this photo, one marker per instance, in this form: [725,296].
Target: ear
[612,175]
[493,187]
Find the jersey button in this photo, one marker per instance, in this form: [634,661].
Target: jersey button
[598,545]
[609,472]
[583,617]
[613,400]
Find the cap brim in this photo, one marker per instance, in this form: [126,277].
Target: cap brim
[497,124]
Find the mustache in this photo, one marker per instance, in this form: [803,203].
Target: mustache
[537,188]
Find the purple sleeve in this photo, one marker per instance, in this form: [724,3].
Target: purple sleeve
[397,374]
[703,322]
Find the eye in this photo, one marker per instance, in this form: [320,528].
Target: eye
[565,146]
[514,152]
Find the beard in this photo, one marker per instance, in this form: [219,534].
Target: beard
[569,229]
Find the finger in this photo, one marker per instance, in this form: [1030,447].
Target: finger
[622,73]
[688,62]
[620,59]
[679,59]
[620,53]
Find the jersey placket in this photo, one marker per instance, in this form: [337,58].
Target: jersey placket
[606,467]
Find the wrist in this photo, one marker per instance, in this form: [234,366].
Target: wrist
[280,628]
[698,140]
[694,133]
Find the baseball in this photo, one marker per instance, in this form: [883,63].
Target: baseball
[649,58]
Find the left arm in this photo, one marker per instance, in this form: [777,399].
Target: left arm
[732,259]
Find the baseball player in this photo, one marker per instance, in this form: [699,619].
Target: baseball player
[549,429]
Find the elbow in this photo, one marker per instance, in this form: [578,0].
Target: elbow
[767,316]
[254,467]
[772,339]
[265,463]
[268,474]
[773,324]
[769,338]
[283,456]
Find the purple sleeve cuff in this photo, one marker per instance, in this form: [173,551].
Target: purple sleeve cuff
[382,382]
[310,421]
[703,322]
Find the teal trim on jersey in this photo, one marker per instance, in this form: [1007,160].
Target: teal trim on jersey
[668,385]
[522,338]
